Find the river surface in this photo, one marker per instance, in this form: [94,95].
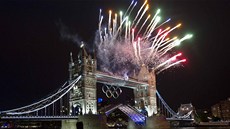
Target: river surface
[227,127]
[201,128]
[189,128]
[176,128]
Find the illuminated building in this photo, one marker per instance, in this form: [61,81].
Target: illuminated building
[82,98]
[222,110]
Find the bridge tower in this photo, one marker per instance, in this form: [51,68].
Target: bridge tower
[145,97]
[82,98]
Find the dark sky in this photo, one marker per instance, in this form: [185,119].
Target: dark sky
[34,57]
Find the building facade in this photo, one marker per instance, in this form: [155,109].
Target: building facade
[222,110]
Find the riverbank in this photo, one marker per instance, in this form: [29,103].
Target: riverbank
[216,124]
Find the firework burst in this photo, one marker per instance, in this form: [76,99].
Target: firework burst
[123,45]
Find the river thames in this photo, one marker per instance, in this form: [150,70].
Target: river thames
[201,127]
[228,127]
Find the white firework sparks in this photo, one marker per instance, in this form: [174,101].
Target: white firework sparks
[124,44]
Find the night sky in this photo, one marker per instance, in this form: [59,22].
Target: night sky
[34,55]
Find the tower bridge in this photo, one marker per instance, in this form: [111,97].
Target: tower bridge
[78,96]
[84,93]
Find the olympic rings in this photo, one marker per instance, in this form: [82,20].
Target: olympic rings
[112,91]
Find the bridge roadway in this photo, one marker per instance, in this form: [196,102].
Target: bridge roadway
[39,118]
[118,80]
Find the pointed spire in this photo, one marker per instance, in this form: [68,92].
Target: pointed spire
[71,57]
[94,54]
[83,47]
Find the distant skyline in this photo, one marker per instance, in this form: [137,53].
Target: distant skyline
[34,55]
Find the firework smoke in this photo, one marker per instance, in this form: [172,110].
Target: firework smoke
[125,45]
[67,35]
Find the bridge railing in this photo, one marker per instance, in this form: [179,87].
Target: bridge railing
[135,115]
[112,109]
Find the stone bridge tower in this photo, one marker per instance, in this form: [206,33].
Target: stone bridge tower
[145,97]
[82,98]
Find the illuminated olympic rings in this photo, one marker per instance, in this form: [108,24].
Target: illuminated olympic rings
[111,91]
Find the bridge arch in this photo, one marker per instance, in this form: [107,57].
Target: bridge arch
[76,109]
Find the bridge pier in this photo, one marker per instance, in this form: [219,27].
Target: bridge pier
[68,124]
[89,122]
[153,122]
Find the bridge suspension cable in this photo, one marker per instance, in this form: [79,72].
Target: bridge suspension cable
[171,112]
[12,110]
[42,104]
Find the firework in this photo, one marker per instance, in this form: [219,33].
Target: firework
[124,44]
